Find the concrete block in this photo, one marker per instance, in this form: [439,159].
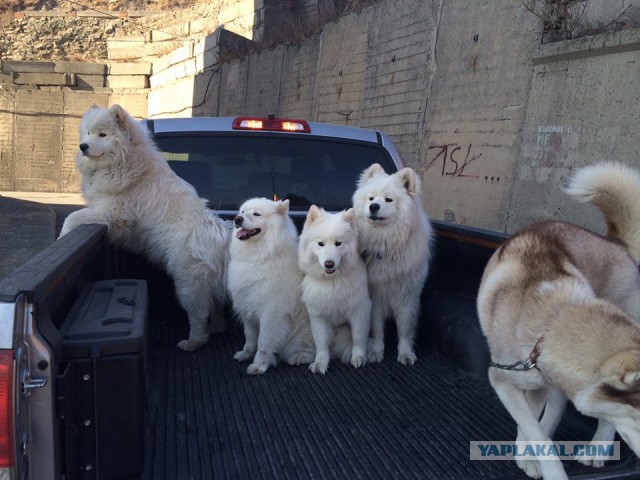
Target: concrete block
[160,64]
[181,54]
[202,25]
[36,185]
[96,14]
[190,67]
[232,43]
[130,68]
[240,9]
[170,32]
[56,79]
[47,13]
[27,67]
[124,53]
[6,77]
[125,48]
[89,82]
[207,59]
[85,68]
[127,81]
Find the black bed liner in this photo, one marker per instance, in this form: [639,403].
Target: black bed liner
[210,420]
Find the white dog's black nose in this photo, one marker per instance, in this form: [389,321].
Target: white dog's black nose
[329,265]
[237,220]
[374,207]
[84,147]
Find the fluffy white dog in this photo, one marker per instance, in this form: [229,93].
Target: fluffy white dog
[334,288]
[128,186]
[394,235]
[265,286]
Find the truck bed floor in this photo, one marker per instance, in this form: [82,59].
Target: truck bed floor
[210,420]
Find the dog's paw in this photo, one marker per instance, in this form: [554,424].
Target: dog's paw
[357,361]
[591,462]
[243,356]
[319,367]
[530,467]
[258,368]
[300,358]
[375,355]
[408,358]
[190,345]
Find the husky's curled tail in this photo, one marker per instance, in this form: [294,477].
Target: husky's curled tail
[614,189]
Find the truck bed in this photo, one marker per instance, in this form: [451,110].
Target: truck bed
[209,419]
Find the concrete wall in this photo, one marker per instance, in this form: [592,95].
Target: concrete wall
[583,107]
[41,104]
[492,119]
[475,111]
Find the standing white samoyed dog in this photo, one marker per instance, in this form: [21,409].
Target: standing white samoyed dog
[334,288]
[128,186]
[265,286]
[394,235]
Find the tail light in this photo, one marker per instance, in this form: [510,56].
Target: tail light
[6,409]
[271,124]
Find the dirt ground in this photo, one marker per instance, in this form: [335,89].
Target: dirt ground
[84,38]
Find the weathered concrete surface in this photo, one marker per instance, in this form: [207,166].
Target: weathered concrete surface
[578,113]
[492,120]
[341,70]
[298,82]
[39,133]
[399,69]
[475,111]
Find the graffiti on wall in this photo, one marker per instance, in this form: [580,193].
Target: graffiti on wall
[454,160]
[554,143]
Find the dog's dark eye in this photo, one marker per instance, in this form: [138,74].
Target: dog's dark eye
[256,214]
[337,244]
[370,199]
[388,200]
[321,244]
[102,134]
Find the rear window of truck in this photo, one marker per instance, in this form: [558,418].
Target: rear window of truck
[229,169]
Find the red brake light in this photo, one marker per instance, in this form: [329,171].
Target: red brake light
[271,124]
[6,408]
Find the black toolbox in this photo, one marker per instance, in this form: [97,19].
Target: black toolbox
[102,383]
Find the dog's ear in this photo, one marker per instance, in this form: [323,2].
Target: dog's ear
[374,170]
[348,216]
[283,207]
[312,215]
[409,180]
[137,133]
[622,372]
[627,383]
[121,117]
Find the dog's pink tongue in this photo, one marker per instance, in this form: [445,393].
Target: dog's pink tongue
[243,233]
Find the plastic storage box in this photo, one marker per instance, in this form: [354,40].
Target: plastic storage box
[103,381]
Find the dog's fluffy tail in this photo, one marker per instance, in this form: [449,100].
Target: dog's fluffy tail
[615,190]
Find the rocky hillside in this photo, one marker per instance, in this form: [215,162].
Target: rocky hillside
[75,38]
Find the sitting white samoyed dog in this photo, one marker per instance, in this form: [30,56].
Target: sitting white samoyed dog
[265,286]
[394,236]
[148,209]
[334,288]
